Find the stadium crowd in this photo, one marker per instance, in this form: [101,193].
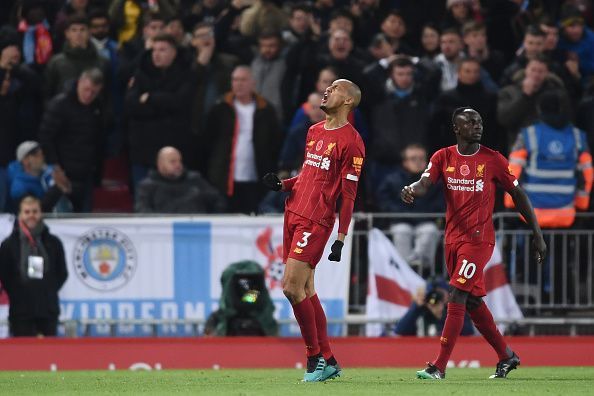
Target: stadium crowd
[91,91]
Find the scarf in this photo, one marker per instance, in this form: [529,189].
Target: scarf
[37,42]
[31,245]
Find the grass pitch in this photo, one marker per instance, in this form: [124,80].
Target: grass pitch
[524,381]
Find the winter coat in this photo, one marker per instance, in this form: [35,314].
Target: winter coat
[164,119]
[221,129]
[72,135]
[32,298]
[190,193]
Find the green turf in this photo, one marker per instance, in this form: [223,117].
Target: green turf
[524,381]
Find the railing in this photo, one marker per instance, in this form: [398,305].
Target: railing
[564,282]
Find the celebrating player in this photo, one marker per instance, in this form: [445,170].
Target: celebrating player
[470,172]
[334,155]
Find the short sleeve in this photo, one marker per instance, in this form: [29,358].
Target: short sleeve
[503,173]
[433,171]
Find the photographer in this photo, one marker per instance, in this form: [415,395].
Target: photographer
[429,312]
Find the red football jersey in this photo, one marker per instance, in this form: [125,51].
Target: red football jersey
[469,183]
[332,166]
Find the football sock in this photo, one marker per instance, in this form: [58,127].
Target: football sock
[321,327]
[305,315]
[331,361]
[451,331]
[312,362]
[483,321]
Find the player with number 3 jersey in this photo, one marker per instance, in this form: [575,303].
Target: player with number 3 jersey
[334,156]
[470,174]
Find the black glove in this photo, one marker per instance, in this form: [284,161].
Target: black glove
[336,250]
[272,181]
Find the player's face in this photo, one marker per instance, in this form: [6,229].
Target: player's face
[334,97]
[469,126]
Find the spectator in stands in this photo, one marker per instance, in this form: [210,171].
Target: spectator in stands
[262,15]
[399,119]
[460,12]
[585,114]
[130,17]
[469,91]
[79,8]
[78,55]
[132,50]
[175,27]
[30,175]
[449,58]
[72,136]
[516,103]
[393,27]
[32,270]
[244,138]
[173,189]
[158,104]
[195,12]
[430,305]
[36,38]
[20,104]
[475,39]
[552,161]
[430,39]
[415,239]
[213,74]
[269,70]
[576,38]
[300,24]
[378,72]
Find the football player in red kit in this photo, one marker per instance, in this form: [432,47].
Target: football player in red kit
[334,155]
[470,173]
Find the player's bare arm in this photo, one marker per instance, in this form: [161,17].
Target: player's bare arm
[524,206]
[417,189]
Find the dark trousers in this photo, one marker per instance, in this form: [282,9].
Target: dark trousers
[246,197]
[33,327]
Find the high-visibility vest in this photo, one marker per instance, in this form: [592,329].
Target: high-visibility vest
[554,167]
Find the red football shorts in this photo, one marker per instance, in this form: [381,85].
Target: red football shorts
[304,239]
[466,262]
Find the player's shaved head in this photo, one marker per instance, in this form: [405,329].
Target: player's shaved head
[461,112]
[352,89]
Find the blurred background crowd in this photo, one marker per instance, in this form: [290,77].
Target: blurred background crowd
[181,106]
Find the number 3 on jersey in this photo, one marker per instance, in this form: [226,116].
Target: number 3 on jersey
[303,242]
[467,270]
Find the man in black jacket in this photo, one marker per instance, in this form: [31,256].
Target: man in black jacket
[173,189]
[72,136]
[32,270]
[159,104]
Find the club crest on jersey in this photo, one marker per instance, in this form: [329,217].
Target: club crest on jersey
[450,169]
[464,170]
[480,170]
[319,145]
[311,143]
[329,149]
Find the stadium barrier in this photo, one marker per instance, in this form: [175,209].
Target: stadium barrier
[257,352]
[564,283]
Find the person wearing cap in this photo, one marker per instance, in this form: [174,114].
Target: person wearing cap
[20,103]
[576,38]
[429,311]
[30,175]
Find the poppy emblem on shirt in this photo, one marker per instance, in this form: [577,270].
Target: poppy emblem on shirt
[319,145]
[480,170]
[464,170]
